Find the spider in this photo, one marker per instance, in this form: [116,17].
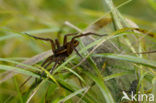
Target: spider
[61,52]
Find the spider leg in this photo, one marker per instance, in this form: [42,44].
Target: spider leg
[45,68]
[57,43]
[86,34]
[78,53]
[25,81]
[52,69]
[46,61]
[45,39]
[31,76]
[49,60]
[65,37]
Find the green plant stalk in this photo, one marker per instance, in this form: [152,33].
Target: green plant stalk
[18,90]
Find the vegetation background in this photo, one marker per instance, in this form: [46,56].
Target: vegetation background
[107,71]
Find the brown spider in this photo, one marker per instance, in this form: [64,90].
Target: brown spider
[61,52]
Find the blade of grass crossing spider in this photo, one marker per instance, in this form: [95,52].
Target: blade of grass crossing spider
[63,64]
[18,70]
[80,91]
[49,75]
[100,83]
[128,58]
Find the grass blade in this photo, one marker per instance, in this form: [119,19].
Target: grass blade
[35,59]
[50,75]
[115,75]
[18,63]
[72,71]
[100,83]
[8,37]
[129,58]
[18,70]
[72,95]
[35,90]
[18,90]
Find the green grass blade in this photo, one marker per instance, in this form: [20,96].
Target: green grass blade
[18,63]
[69,87]
[100,83]
[8,37]
[34,91]
[129,58]
[18,90]
[19,70]
[153,86]
[17,58]
[72,95]
[115,75]
[72,71]
[152,3]
[54,29]
[49,75]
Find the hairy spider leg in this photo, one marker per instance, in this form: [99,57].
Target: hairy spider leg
[52,69]
[45,68]
[65,37]
[45,39]
[78,53]
[25,82]
[86,34]
[77,36]
[31,76]
[46,61]
[57,43]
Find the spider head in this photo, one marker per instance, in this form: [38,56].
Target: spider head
[76,43]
